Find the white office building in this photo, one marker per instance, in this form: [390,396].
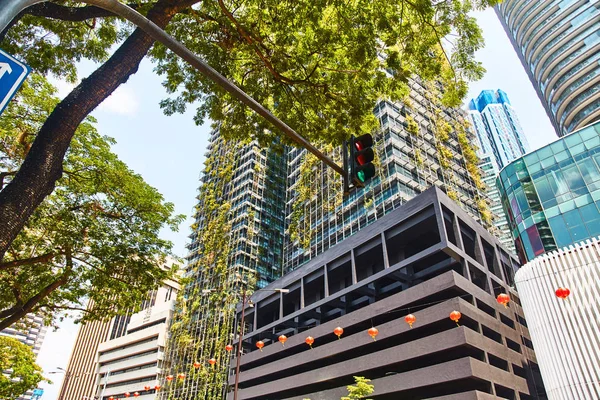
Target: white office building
[133,362]
[565,332]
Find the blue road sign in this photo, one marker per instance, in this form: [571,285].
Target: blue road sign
[12,74]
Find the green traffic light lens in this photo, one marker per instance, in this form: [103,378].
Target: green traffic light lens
[361,176]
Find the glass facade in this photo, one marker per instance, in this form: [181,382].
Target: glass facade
[558,42]
[500,140]
[552,196]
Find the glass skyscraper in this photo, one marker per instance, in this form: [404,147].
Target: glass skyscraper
[558,42]
[552,195]
[418,146]
[500,140]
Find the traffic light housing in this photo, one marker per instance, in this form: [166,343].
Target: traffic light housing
[362,155]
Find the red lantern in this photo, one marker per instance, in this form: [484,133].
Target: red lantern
[260,344]
[147,388]
[127,394]
[410,319]
[282,339]
[181,376]
[338,331]
[157,388]
[373,332]
[197,365]
[455,316]
[111,398]
[309,341]
[212,361]
[136,394]
[169,378]
[503,299]
[229,347]
[563,292]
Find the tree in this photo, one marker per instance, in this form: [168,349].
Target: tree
[20,372]
[360,391]
[320,65]
[96,237]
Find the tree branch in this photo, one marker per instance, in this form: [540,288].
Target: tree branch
[18,312]
[72,14]
[27,261]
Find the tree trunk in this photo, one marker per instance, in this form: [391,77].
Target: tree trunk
[42,167]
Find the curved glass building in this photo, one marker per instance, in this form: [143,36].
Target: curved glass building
[551,196]
[558,42]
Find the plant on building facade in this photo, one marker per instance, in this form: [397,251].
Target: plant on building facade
[204,323]
[19,373]
[95,238]
[320,61]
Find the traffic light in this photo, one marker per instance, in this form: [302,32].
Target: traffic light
[361,159]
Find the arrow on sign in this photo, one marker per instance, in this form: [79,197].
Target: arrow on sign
[4,67]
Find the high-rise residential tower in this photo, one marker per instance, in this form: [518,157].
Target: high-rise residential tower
[500,140]
[420,144]
[558,42]
[237,237]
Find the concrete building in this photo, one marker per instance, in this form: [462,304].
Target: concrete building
[80,376]
[93,353]
[565,332]
[428,257]
[418,146]
[551,196]
[133,362]
[500,140]
[558,42]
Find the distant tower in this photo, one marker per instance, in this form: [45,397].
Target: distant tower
[558,43]
[501,140]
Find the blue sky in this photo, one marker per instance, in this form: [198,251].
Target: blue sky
[169,151]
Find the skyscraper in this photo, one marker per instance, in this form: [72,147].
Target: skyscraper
[238,232]
[558,43]
[420,144]
[500,140]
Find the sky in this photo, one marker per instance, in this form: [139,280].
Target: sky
[168,152]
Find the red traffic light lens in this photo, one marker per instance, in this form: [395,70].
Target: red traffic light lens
[364,141]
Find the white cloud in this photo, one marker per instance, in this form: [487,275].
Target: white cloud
[123,101]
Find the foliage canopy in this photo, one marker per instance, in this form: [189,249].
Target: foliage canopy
[24,374]
[96,237]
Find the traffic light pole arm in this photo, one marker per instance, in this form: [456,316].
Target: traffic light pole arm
[10,8]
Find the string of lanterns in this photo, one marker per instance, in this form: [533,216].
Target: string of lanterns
[410,319]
